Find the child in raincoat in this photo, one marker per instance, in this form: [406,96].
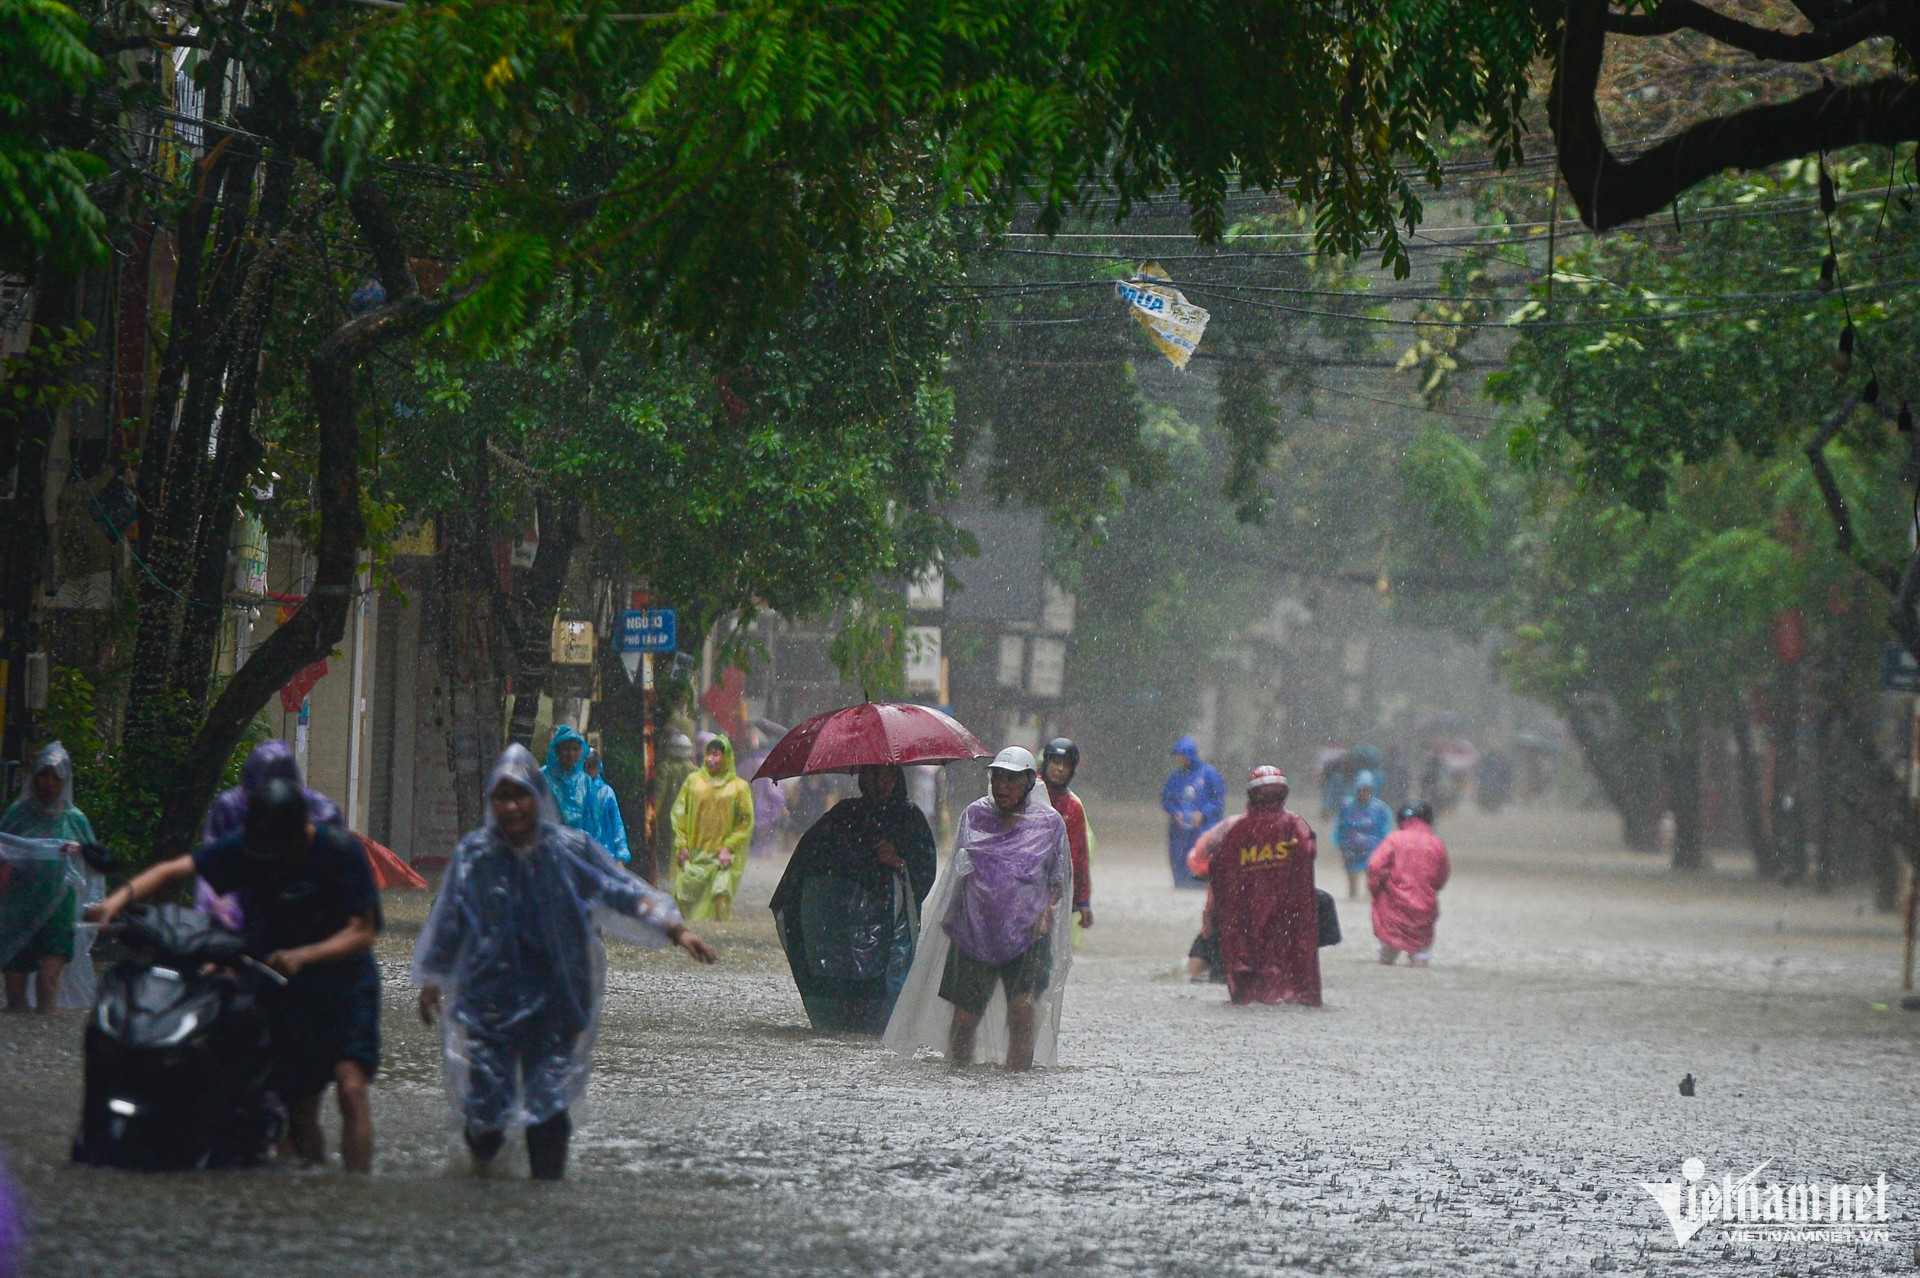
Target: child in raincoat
[610,827]
[712,827]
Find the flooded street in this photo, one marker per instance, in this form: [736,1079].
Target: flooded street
[1494,1113]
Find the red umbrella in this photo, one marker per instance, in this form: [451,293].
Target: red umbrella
[873,732]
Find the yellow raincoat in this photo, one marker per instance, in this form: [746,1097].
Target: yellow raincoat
[711,814]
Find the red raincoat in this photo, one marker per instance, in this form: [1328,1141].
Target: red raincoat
[1067,804]
[1405,875]
[1264,912]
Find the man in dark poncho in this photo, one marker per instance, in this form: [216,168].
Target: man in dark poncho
[310,907]
[848,907]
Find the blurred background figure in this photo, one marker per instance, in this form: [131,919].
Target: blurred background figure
[769,799]
[1408,870]
[1194,798]
[608,825]
[1364,821]
[675,766]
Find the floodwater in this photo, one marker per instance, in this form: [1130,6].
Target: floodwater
[1495,1113]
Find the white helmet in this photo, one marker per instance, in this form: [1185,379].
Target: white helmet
[1013,759]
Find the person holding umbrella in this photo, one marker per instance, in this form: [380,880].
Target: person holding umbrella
[849,904]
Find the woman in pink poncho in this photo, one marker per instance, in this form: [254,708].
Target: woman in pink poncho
[1405,876]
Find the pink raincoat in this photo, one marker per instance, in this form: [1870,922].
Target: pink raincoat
[1405,876]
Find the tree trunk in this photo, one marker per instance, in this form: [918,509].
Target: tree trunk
[320,622]
[173,447]
[1789,836]
[1630,784]
[1752,806]
[237,452]
[26,433]
[1683,793]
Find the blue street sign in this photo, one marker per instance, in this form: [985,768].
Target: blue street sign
[1898,671]
[648,630]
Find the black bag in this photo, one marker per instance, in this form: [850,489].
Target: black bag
[176,1055]
[1329,918]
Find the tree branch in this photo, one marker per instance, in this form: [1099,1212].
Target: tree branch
[1843,538]
[1610,192]
[1825,40]
[1902,616]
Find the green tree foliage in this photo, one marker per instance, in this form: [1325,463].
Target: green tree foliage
[1662,404]
[47,216]
[709,144]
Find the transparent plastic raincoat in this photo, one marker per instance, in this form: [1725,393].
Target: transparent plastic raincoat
[43,890]
[992,863]
[711,813]
[513,943]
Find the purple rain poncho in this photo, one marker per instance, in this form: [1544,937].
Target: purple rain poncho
[988,902]
[1016,874]
[228,812]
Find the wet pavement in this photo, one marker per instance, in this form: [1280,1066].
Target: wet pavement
[1493,1114]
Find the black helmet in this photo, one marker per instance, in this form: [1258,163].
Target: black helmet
[276,820]
[1061,748]
[1418,810]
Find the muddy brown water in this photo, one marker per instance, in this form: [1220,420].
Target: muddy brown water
[1493,1114]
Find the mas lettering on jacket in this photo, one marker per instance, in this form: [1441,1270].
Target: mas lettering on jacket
[1267,853]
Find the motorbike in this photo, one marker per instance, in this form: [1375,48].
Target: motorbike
[176,1050]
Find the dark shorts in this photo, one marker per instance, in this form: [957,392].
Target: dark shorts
[1207,950]
[967,983]
[53,940]
[319,1022]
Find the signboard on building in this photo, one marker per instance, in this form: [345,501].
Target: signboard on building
[1013,659]
[1056,616]
[648,630]
[923,659]
[928,591]
[250,556]
[572,643]
[1048,674]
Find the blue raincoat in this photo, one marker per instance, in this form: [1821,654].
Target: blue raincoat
[1196,788]
[604,807]
[571,787]
[1361,826]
